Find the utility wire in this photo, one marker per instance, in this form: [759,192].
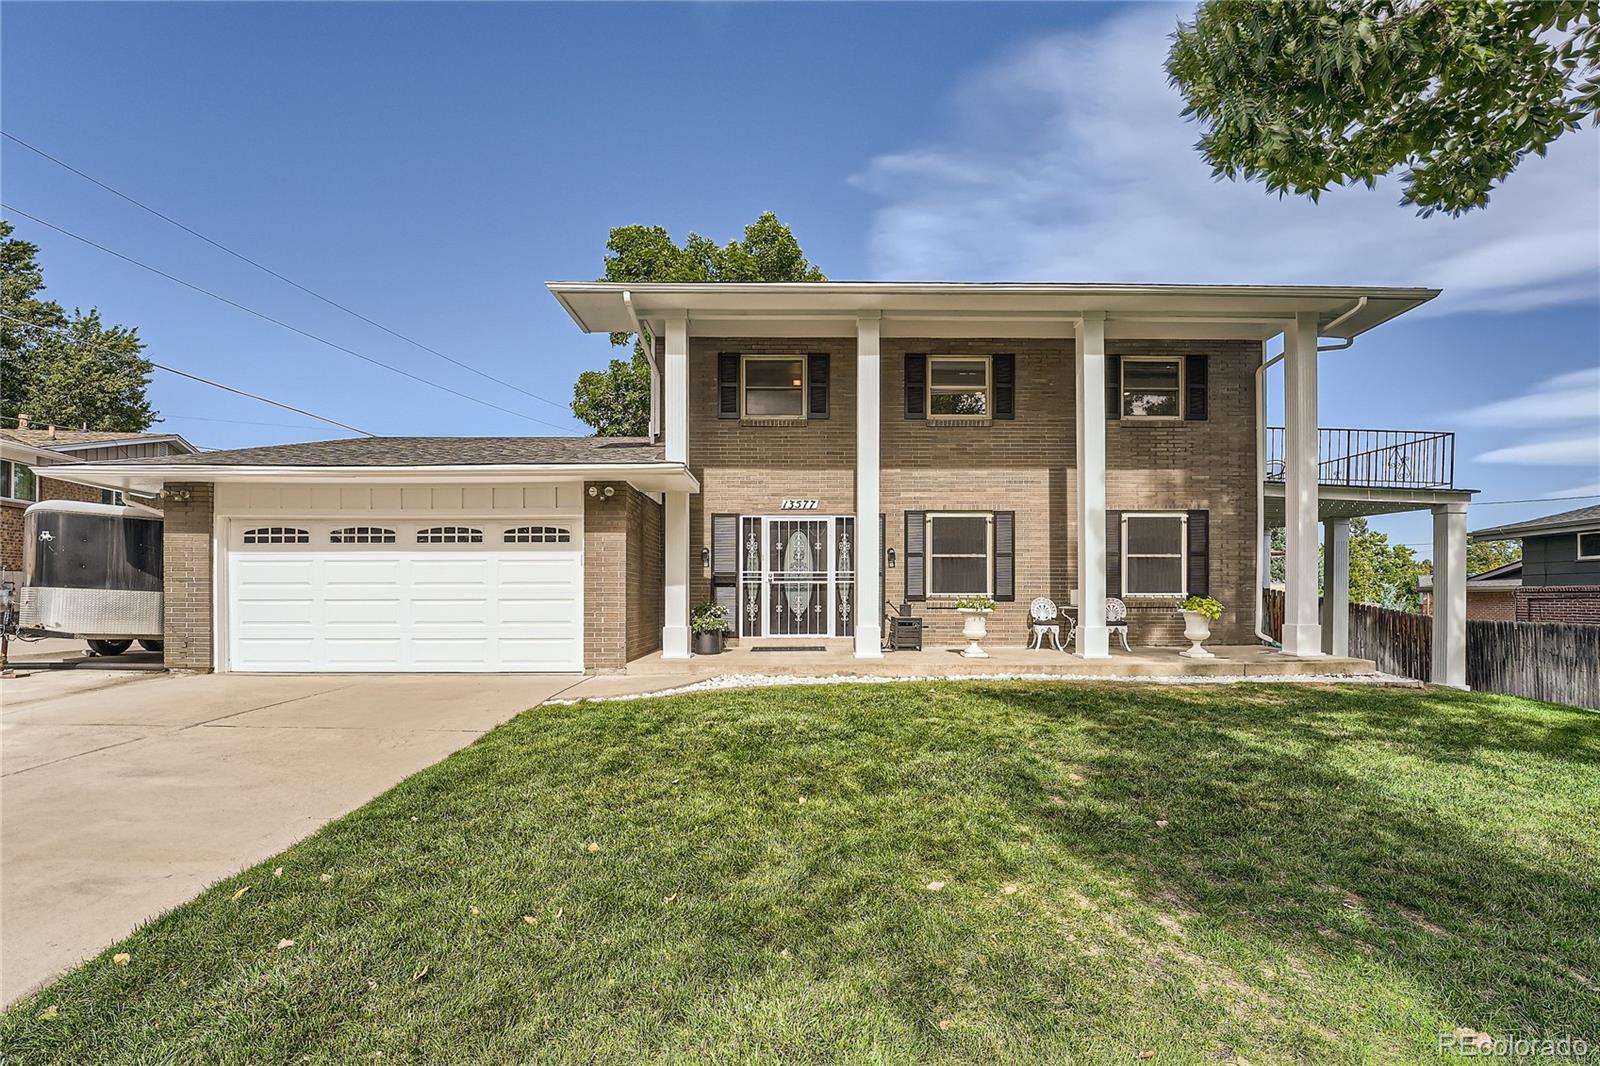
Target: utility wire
[277,321]
[192,377]
[266,269]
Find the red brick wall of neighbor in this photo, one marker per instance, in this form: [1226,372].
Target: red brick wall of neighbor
[623,576]
[11,516]
[187,559]
[1027,465]
[1559,603]
[1485,605]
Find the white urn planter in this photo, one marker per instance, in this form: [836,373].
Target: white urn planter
[1196,629]
[974,629]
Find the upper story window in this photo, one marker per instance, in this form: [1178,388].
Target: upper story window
[960,554]
[538,535]
[17,481]
[1152,388]
[1589,545]
[1155,554]
[449,535]
[361,535]
[277,535]
[959,387]
[774,386]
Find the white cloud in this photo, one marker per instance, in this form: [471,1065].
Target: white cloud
[1067,159]
[1569,397]
[1591,489]
[1582,450]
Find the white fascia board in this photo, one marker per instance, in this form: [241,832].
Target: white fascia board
[123,442]
[32,456]
[652,477]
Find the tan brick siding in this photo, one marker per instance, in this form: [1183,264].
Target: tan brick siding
[622,576]
[188,562]
[1026,465]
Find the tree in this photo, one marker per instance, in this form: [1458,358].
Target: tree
[70,370]
[1452,93]
[616,401]
[1484,555]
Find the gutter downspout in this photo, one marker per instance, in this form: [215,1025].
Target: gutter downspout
[1261,458]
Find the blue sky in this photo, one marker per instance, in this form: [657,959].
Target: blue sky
[431,166]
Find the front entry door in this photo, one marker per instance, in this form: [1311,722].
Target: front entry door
[798,577]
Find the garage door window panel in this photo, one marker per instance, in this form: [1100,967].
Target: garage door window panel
[362,535]
[449,535]
[277,535]
[538,535]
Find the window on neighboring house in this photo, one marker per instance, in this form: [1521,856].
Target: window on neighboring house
[774,386]
[112,496]
[17,481]
[1155,554]
[449,535]
[960,554]
[1152,388]
[958,387]
[361,535]
[1589,545]
[538,535]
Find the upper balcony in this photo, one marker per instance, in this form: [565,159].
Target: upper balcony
[1374,458]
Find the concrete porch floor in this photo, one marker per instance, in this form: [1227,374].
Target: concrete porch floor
[652,672]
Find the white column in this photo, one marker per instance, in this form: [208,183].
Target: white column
[1336,586]
[1091,512]
[1302,635]
[1450,594]
[869,611]
[675,409]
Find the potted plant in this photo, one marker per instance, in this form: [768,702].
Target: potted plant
[977,610]
[1198,614]
[709,622]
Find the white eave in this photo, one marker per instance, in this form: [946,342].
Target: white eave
[18,452]
[123,442]
[933,309]
[148,478]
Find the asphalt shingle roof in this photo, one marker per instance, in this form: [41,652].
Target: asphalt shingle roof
[426,451]
[45,438]
[1580,516]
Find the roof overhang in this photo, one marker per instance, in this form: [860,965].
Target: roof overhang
[1342,501]
[17,452]
[148,478]
[1518,530]
[951,309]
[122,442]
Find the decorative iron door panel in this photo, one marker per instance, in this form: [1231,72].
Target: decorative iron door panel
[797,577]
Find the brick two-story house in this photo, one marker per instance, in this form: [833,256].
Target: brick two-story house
[817,454]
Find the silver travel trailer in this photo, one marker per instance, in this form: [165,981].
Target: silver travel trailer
[92,570]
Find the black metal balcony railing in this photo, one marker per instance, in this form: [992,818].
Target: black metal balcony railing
[1375,458]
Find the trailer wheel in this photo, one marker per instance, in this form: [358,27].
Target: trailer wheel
[152,645]
[109,647]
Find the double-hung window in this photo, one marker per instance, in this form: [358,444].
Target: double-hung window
[959,387]
[960,554]
[1152,388]
[17,481]
[1589,544]
[1155,554]
[773,387]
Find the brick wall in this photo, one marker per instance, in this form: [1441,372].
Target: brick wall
[11,517]
[51,489]
[1559,603]
[186,550]
[1027,465]
[622,576]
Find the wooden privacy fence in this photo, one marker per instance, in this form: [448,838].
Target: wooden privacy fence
[1554,661]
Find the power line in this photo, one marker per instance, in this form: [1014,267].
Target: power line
[235,421]
[277,321]
[266,269]
[193,377]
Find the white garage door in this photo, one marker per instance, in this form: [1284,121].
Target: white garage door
[444,595]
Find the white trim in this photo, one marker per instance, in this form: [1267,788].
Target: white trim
[987,390]
[929,554]
[1182,553]
[1122,387]
[803,388]
[1586,533]
[126,442]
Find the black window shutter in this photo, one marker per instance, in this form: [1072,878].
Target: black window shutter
[1113,554]
[725,564]
[1195,372]
[817,385]
[1113,387]
[916,581]
[727,384]
[1004,368]
[1199,553]
[916,386]
[1005,560]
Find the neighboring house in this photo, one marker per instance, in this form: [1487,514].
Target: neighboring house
[1560,565]
[25,452]
[816,451]
[1491,595]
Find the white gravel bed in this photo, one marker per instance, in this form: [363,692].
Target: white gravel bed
[729,681]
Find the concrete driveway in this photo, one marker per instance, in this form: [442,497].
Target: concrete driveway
[125,793]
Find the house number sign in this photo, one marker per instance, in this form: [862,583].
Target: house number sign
[798,505]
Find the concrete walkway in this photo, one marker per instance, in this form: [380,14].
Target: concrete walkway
[125,793]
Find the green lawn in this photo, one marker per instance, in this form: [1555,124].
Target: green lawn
[1243,873]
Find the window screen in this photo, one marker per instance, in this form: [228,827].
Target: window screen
[958,554]
[1150,388]
[1153,555]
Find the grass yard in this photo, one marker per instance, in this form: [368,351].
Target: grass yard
[963,872]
